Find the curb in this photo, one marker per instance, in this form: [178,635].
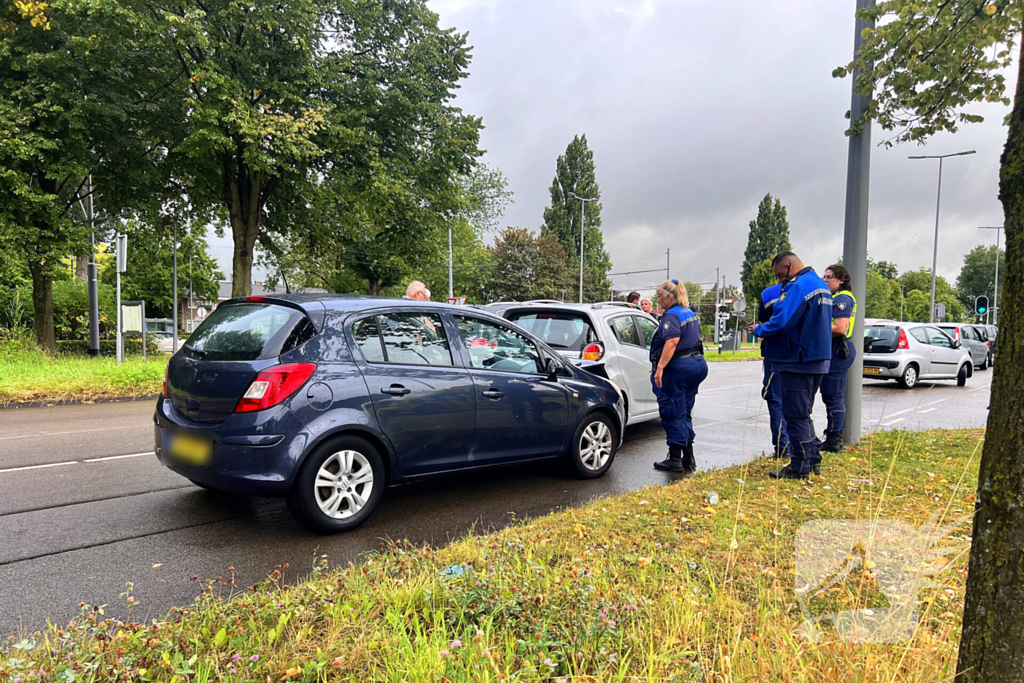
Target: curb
[18,405]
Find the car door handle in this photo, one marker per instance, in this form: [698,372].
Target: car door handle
[395,390]
[493,394]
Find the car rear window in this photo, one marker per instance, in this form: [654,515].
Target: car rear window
[880,339]
[250,331]
[562,330]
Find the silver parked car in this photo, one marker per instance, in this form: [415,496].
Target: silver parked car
[971,340]
[908,352]
[613,332]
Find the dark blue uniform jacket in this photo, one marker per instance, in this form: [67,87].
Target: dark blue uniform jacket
[800,329]
[677,322]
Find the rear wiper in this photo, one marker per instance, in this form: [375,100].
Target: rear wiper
[201,354]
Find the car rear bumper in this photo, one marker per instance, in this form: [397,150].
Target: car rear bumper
[252,454]
[887,366]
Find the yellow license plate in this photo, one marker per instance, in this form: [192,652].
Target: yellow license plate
[190,450]
[872,371]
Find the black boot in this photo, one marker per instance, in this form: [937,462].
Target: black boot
[786,472]
[674,462]
[833,442]
[689,462]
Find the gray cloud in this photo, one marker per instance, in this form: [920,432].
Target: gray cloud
[695,109]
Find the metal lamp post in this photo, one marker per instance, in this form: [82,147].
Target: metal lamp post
[995,293]
[938,199]
[583,216]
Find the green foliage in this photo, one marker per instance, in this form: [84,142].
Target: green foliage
[761,277]
[575,172]
[769,235]
[887,269]
[927,60]
[977,276]
[528,266]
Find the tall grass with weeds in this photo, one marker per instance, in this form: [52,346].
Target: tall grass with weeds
[654,585]
[28,374]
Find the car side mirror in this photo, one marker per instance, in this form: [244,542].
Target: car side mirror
[551,368]
[956,344]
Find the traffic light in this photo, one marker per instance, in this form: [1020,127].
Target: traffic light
[981,305]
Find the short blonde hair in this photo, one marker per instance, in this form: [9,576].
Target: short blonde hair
[678,291]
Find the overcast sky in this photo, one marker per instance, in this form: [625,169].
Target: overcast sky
[694,110]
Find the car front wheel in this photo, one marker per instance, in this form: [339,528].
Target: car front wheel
[961,377]
[339,485]
[909,377]
[593,448]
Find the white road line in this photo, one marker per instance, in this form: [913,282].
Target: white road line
[925,412]
[73,431]
[934,402]
[118,457]
[890,423]
[38,467]
[900,412]
[735,386]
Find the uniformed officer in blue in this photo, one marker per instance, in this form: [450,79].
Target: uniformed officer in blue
[677,369]
[771,384]
[800,349]
[833,387]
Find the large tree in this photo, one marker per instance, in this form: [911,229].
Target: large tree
[576,173]
[74,96]
[923,67]
[768,235]
[977,276]
[330,115]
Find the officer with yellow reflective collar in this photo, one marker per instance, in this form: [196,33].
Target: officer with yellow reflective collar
[833,386]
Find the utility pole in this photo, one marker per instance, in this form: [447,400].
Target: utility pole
[718,292]
[902,291]
[174,288]
[855,232]
[94,300]
[668,264]
[938,200]
[191,302]
[451,258]
[583,216]
[120,264]
[995,293]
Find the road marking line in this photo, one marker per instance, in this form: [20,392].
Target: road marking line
[118,457]
[924,412]
[735,386]
[73,431]
[890,423]
[900,412]
[37,467]
[934,402]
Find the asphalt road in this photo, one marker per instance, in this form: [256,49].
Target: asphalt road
[85,507]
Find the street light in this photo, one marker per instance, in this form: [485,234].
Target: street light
[938,199]
[995,295]
[583,206]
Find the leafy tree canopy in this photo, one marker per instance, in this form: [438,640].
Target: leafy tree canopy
[768,235]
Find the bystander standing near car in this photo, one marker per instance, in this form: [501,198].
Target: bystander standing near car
[678,367]
[645,305]
[800,349]
[771,383]
[633,299]
[833,386]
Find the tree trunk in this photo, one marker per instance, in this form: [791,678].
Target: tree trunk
[82,267]
[992,644]
[42,305]
[244,195]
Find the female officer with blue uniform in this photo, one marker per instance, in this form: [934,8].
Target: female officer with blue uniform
[833,386]
[678,367]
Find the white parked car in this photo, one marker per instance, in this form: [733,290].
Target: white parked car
[612,332]
[908,352]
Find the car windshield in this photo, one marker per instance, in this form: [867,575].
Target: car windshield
[562,330]
[250,331]
[880,339]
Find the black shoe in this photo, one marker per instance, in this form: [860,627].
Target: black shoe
[689,461]
[786,473]
[816,468]
[833,442]
[674,462]
[780,454]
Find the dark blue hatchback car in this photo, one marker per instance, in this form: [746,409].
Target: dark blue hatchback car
[328,400]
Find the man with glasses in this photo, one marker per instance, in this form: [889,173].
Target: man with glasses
[800,350]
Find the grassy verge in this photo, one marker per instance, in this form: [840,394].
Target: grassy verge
[712,355]
[27,374]
[651,585]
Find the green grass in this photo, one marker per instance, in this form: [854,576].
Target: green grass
[654,585]
[712,355]
[27,374]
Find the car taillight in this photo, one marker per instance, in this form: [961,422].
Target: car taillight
[254,299]
[274,385]
[167,369]
[903,343]
[593,352]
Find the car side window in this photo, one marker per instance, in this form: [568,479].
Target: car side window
[920,335]
[495,347]
[403,338]
[647,329]
[970,333]
[625,330]
[368,340]
[937,338]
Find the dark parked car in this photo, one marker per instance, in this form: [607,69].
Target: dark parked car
[327,400]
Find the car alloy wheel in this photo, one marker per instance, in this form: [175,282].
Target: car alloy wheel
[343,484]
[909,378]
[595,445]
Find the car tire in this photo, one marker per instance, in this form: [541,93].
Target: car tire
[204,486]
[353,471]
[593,446]
[984,363]
[909,377]
[962,375]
